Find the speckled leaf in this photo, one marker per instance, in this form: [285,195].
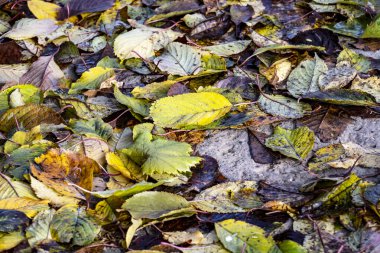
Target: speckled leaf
[342,97]
[295,143]
[304,78]
[71,224]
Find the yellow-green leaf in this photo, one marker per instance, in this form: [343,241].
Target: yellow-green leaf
[26,205]
[295,143]
[190,110]
[91,79]
[238,236]
[71,224]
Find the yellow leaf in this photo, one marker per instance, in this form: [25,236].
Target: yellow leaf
[190,110]
[91,79]
[26,205]
[43,10]
[10,240]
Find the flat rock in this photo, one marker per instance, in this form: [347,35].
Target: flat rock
[230,148]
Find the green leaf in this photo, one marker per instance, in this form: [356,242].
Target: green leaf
[228,198]
[139,106]
[359,62]
[179,59]
[153,91]
[26,94]
[342,97]
[91,79]
[238,236]
[372,30]
[229,48]
[159,155]
[71,224]
[153,205]
[304,78]
[40,228]
[129,191]
[28,116]
[279,105]
[295,143]
[121,138]
[286,47]
[92,127]
[142,42]
[190,110]
[12,220]
[334,199]
[289,246]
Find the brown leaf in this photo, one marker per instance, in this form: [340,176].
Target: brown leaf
[60,169]
[28,116]
[205,176]
[10,53]
[211,28]
[44,73]
[259,152]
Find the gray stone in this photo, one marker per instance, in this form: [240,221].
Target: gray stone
[230,148]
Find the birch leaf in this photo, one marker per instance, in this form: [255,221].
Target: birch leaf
[179,59]
[190,110]
[142,42]
[27,28]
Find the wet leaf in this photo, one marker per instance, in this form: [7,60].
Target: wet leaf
[192,110]
[295,143]
[71,224]
[238,236]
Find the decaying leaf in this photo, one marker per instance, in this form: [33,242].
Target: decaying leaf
[305,77]
[295,143]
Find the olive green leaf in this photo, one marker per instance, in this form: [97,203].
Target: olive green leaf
[282,106]
[369,85]
[295,143]
[91,79]
[71,224]
[304,78]
[238,236]
[229,48]
[359,62]
[325,155]
[153,205]
[190,110]
[19,95]
[139,106]
[95,127]
[342,97]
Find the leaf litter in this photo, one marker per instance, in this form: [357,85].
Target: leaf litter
[103,105]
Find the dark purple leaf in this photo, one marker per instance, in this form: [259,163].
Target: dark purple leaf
[204,177]
[76,7]
[259,152]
